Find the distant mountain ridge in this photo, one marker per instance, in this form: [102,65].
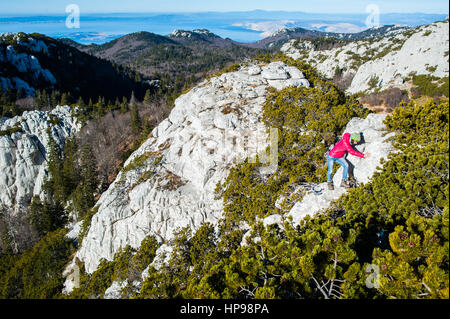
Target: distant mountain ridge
[378,63]
[200,35]
[238,26]
[122,50]
[280,37]
[206,36]
[184,55]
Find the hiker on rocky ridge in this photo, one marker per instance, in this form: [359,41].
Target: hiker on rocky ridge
[337,155]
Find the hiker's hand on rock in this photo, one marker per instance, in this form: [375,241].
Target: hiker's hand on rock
[366,155]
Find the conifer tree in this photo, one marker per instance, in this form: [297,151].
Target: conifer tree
[46,216]
[69,171]
[14,109]
[137,77]
[36,99]
[116,104]
[133,99]
[135,119]
[36,274]
[81,103]
[146,128]
[100,106]
[44,99]
[90,106]
[147,98]
[124,106]
[3,102]
[54,185]
[84,194]
[65,99]
[54,98]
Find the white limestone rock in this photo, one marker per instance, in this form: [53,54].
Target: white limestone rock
[35,45]
[194,149]
[275,71]
[74,230]
[26,63]
[422,53]
[162,257]
[115,290]
[390,59]
[279,76]
[254,70]
[23,158]
[279,84]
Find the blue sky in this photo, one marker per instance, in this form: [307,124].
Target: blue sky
[24,7]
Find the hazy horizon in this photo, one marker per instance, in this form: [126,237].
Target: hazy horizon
[241,26]
[176,6]
[62,13]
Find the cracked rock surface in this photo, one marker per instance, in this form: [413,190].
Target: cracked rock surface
[23,152]
[169,182]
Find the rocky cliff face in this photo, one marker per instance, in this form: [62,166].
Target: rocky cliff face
[23,149]
[381,62]
[170,181]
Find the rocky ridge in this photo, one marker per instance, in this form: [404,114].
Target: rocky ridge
[381,63]
[169,181]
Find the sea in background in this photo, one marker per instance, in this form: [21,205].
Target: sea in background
[239,26]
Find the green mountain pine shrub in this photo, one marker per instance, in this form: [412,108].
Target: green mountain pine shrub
[37,273]
[128,264]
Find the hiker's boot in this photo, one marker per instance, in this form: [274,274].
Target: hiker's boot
[345,184]
[330,186]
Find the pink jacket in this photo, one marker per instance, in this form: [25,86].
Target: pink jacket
[343,147]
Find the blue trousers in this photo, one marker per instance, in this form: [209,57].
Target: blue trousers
[340,161]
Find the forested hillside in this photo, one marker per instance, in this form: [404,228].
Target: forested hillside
[33,65]
[176,62]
